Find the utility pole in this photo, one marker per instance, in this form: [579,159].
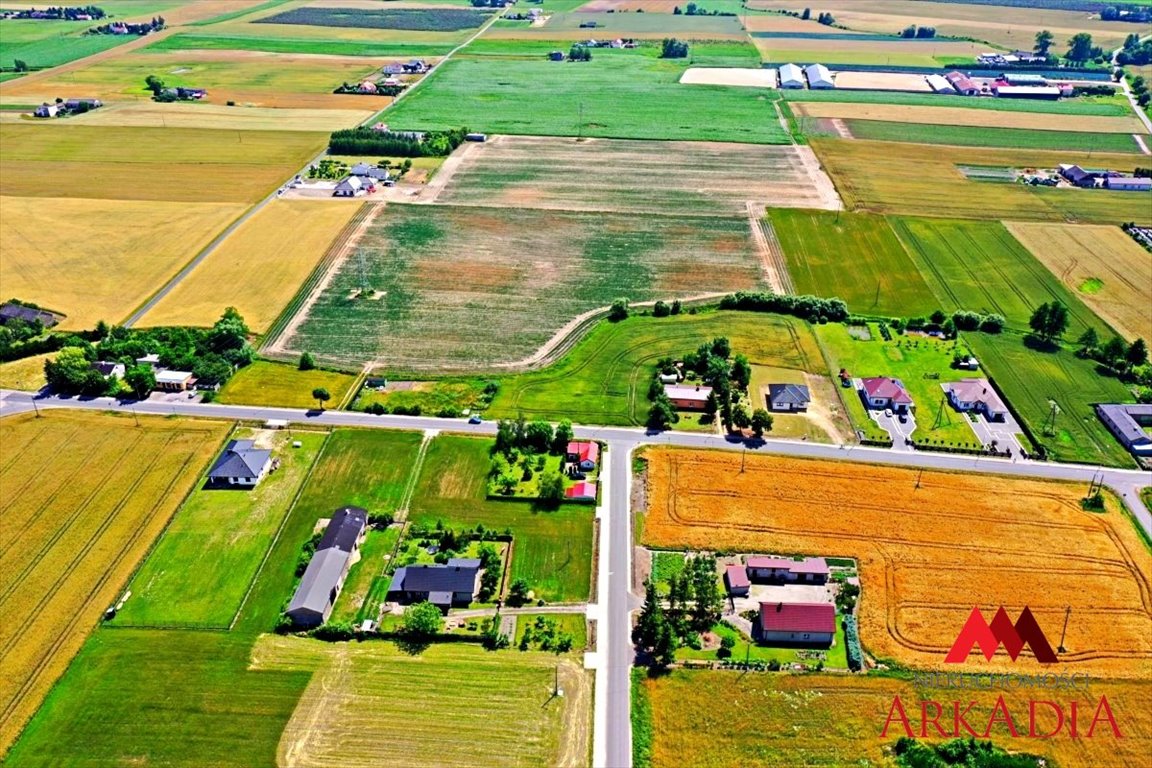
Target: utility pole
[919,475]
[1063,632]
[743,458]
[135,417]
[556,689]
[580,124]
[35,407]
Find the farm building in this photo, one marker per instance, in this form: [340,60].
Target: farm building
[819,78]
[939,84]
[585,454]
[736,580]
[963,84]
[791,76]
[12,311]
[46,110]
[174,381]
[353,186]
[796,624]
[810,570]
[885,392]
[556,56]
[75,104]
[320,586]
[241,464]
[1031,81]
[1076,175]
[366,171]
[582,491]
[1128,183]
[688,398]
[367,87]
[1048,93]
[977,395]
[445,586]
[152,361]
[108,369]
[788,397]
[1129,423]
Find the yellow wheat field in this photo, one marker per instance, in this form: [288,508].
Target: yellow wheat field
[82,497]
[1105,267]
[930,548]
[99,259]
[983,118]
[259,267]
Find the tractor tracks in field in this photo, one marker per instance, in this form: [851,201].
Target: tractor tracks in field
[772,262]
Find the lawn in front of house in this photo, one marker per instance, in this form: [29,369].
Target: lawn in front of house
[283,386]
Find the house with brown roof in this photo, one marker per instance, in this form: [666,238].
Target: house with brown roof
[688,397]
[810,570]
[805,624]
[977,395]
[886,392]
[736,580]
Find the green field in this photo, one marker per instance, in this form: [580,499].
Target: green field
[1100,106]
[551,550]
[973,136]
[283,386]
[377,545]
[980,267]
[619,94]
[921,362]
[367,468]
[682,27]
[50,43]
[604,378]
[882,280]
[201,569]
[183,42]
[448,299]
[575,624]
[1030,380]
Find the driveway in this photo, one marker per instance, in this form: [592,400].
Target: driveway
[1003,432]
[898,430]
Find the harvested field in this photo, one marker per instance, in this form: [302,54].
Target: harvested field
[886,81]
[500,706]
[961,539]
[84,496]
[925,181]
[438,270]
[100,259]
[751,78]
[893,51]
[217,117]
[26,374]
[258,268]
[639,26]
[200,165]
[954,116]
[718,718]
[521,171]
[1081,254]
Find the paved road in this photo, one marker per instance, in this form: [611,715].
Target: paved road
[1128,92]
[612,735]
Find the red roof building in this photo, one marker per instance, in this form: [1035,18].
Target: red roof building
[798,622]
[587,454]
[584,491]
[885,392]
[736,578]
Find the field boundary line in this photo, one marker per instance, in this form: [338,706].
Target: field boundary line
[772,261]
[354,390]
[279,530]
[410,487]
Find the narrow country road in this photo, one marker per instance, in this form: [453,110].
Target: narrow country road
[1140,113]
[612,610]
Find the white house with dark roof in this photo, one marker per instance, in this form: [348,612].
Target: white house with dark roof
[979,396]
[314,599]
[788,398]
[445,586]
[108,369]
[241,464]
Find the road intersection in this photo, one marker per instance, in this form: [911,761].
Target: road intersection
[612,660]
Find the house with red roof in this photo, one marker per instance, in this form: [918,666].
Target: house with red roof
[886,392]
[977,395]
[736,579]
[582,491]
[807,624]
[810,570]
[584,454]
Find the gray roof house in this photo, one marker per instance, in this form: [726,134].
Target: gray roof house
[12,311]
[108,368]
[241,464]
[442,585]
[349,187]
[819,78]
[1127,422]
[323,579]
[788,397]
[791,76]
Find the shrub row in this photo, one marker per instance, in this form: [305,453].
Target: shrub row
[811,308]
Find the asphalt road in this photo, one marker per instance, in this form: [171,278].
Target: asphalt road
[612,739]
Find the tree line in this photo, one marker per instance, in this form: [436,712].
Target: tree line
[694,605]
[369,141]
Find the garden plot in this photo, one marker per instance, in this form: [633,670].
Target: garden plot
[638,176]
[450,288]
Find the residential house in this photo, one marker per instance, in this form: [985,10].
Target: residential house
[352,186]
[584,453]
[12,311]
[791,76]
[809,624]
[366,87]
[152,361]
[688,397]
[370,173]
[108,369]
[1128,183]
[979,396]
[415,67]
[1129,422]
[445,586]
[174,381]
[392,69]
[556,56]
[312,603]
[885,392]
[736,580]
[819,78]
[242,464]
[582,491]
[788,397]
[810,570]
[669,378]
[73,105]
[46,110]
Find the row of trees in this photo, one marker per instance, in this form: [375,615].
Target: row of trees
[812,308]
[1140,90]
[368,141]
[672,48]
[913,31]
[694,10]
[1135,52]
[693,606]
[580,53]
[1117,354]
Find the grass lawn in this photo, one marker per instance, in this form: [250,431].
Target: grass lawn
[575,624]
[981,267]
[277,384]
[1031,379]
[378,545]
[604,378]
[665,565]
[883,278]
[26,374]
[367,468]
[551,550]
[220,536]
[835,657]
[912,359]
[447,396]
[972,136]
[627,94]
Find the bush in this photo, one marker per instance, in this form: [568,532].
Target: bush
[672,48]
[335,631]
[805,307]
[618,311]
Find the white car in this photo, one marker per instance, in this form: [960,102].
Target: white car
[888,412]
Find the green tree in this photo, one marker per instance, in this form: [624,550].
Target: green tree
[660,309]
[741,372]
[1114,352]
[618,311]
[421,621]
[1089,340]
[1137,353]
[20,65]
[562,437]
[740,417]
[664,649]
[321,396]
[707,603]
[552,487]
[1080,47]
[307,362]
[71,373]
[662,415]
[1049,320]
[761,422]
[141,379]
[518,593]
[676,307]
[1044,41]
[154,84]
[650,619]
[806,14]
[538,436]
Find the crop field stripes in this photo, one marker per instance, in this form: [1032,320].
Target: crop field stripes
[771,254]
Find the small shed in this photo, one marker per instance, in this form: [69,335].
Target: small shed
[819,78]
[736,579]
[791,76]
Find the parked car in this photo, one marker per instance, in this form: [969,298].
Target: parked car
[903,418]
[475,419]
[888,412]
